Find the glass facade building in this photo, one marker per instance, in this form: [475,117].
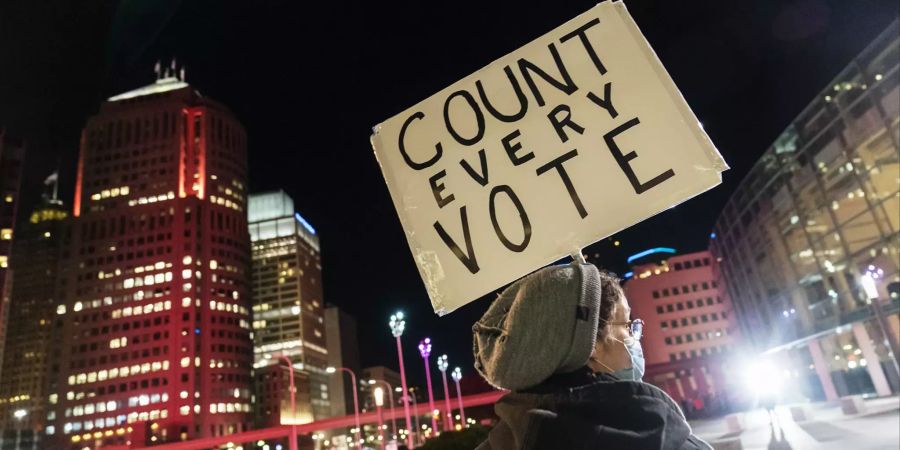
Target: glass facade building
[288,312]
[819,210]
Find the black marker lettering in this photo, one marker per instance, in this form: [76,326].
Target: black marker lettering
[526,224]
[479,118]
[566,121]
[580,32]
[437,187]
[523,102]
[567,85]
[606,101]
[623,160]
[480,178]
[467,258]
[438,150]
[564,176]
[513,147]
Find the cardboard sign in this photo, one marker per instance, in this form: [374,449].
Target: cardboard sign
[559,144]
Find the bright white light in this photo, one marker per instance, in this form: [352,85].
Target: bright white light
[379,396]
[330,370]
[20,413]
[761,378]
[851,364]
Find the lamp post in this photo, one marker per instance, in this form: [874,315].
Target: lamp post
[379,403]
[292,439]
[394,431]
[355,400]
[448,411]
[19,414]
[425,351]
[457,375]
[397,325]
[410,395]
[868,280]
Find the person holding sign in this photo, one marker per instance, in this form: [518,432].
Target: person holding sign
[561,340]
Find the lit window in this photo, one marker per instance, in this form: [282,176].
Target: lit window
[6,234]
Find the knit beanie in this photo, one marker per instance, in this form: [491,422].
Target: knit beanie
[544,323]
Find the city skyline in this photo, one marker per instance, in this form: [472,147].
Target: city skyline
[300,133]
[787,76]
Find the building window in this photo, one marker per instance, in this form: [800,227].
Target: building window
[680,306]
[724,315]
[678,340]
[694,287]
[699,302]
[659,309]
[664,325]
[704,319]
[675,290]
[705,285]
[709,301]
[655,294]
[672,357]
[689,338]
[669,308]
[665,292]
[678,266]
[668,341]
[694,320]
[674,323]
[690,305]
[715,316]
[684,322]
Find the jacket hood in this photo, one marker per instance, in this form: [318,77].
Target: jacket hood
[600,411]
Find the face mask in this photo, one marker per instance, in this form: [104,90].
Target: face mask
[636,371]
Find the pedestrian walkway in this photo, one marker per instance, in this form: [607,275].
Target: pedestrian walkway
[825,428]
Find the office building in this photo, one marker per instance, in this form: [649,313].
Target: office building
[808,242]
[156,321]
[288,312]
[386,378]
[343,351]
[12,154]
[30,354]
[690,328]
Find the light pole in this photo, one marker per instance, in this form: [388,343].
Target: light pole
[292,439]
[19,414]
[448,411]
[457,375]
[868,283]
[378,393]
[397,325]
[425,351]
[394,431]
[412,396]
[355,400]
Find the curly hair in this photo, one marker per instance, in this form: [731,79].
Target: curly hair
[611,293]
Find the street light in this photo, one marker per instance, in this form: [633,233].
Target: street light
[397,325]
[425,351]
[390,390]
[292,440]
[19,414]
[448,411]
[355,400]
[868,281]
[379,402]
[457,375]
[411,396]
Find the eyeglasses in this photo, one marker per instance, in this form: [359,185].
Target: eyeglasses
[635,327]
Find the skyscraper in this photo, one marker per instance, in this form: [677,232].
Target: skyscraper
[30,354]
[287,311]
[12,153]
[156,323]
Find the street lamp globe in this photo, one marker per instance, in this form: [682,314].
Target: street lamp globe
[20,413]
[442,363]
[397,324]
[456,374]
[425,347]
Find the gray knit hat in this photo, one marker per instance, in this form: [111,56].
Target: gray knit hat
[545,323]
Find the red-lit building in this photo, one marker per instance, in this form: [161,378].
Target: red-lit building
[690,326]
[156,323]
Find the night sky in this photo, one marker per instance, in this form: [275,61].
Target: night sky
[310,79]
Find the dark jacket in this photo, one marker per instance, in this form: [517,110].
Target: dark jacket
[583,410]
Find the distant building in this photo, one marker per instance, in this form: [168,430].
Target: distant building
[156,321]
[343,351]
[689,325]
[30,360]
[819,210]
[379,374]
[288,312]
[12,154]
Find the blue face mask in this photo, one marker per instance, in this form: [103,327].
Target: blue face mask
[636,371]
